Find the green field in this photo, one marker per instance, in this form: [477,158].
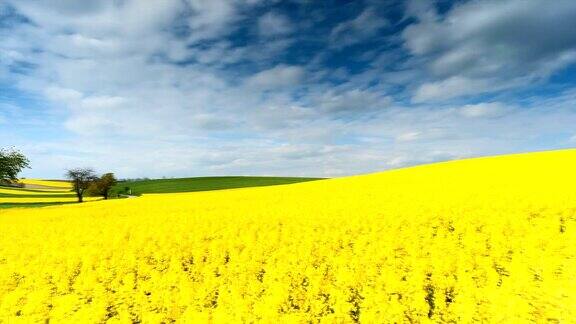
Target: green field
[200,184]
[26,196]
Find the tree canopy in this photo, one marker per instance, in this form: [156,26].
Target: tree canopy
[12,162]
[82,179]
[102,185]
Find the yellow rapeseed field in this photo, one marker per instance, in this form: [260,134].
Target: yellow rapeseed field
[489,239]
[47,183]
[18,191]
[43,192]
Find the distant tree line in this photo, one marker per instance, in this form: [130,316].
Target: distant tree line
[134,179]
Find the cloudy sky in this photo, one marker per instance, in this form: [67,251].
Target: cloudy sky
[295,87]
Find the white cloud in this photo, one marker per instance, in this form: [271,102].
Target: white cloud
[62,94]
[277,77]
[398,136]
[120,26]
[485,46]
[273,24]
[103,102]
[367,24]
[211,19]
[452,87]
[101,18]
[485,110]
[355,102]
[429,133]
[408,137]
[156,97]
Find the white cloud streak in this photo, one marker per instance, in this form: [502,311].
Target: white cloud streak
[486,46]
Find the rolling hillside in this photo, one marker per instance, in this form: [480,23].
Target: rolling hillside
[478,240]
[202,184]
[41,193]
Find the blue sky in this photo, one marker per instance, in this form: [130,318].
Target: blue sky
[305,88]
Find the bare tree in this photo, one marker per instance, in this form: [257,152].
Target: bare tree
[81,179]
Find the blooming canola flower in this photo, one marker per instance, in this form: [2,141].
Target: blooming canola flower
[486,239]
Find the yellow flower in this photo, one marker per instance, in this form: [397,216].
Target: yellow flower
[489,239]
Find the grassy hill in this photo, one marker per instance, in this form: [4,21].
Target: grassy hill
[41,193]
[201,184]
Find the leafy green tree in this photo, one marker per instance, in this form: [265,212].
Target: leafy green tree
[11,163]
[82,179]
[103,185]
